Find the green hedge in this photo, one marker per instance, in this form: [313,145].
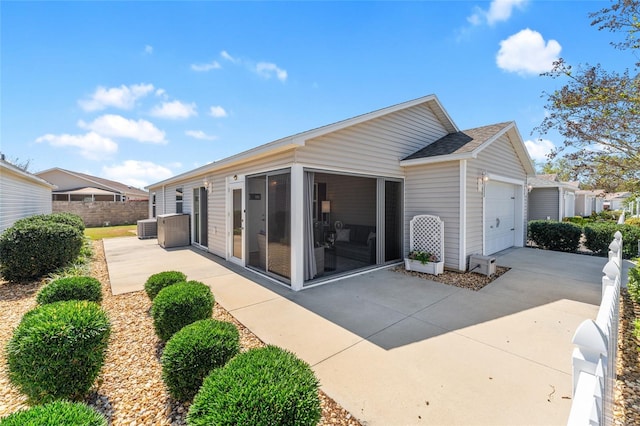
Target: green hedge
[33,249]
[179,305]
[598,236]
[57,350]
[266,386]
[62,217]
[553,235]
[157,282]
[54,414]
[193,352]
[71,288]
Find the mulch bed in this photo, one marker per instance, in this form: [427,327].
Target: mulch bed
[469,280]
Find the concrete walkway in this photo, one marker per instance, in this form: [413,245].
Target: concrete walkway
[398,350]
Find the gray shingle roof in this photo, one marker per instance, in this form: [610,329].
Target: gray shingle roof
[459,142]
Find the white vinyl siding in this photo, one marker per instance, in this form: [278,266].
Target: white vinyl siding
[21,196]
[375,147]
[543,203]
[435,189]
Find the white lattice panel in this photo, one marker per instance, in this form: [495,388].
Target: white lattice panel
[426,233]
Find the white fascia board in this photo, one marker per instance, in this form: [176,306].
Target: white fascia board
[437,159]
[520,148]
[24,174]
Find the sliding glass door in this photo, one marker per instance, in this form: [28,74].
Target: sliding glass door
[200,215]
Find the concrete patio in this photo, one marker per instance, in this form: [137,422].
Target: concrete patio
[399,350]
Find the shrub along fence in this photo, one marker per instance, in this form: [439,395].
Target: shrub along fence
[594,357]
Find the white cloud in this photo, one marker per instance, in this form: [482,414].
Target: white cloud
[148,49]
[217,112]
[120,127]
[499,11]
[123,97]
[137,173]
[91,145]
[206,67]
[539,149]
[527,53]
[199,134]
[174,110]
[228,57]
[268,70]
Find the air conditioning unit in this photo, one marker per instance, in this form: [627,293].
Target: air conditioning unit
[147,228]
[173,230]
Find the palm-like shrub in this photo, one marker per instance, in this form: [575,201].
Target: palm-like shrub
[193,352]
[266,386]
[58,349]
[180,304]
[56,413]
[71,288]
[157,282]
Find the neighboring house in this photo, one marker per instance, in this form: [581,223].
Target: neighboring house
[98,201]
[589,202]
[22,194]
[616,200]
[337,199]
[550,198]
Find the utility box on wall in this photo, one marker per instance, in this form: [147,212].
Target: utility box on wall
[173,230]
[485,265]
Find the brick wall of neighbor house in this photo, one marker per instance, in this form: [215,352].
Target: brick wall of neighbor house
[100,212]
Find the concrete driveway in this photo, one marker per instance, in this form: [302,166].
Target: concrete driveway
[399,350]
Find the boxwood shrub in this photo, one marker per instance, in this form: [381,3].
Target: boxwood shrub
[554,235]
[71,288]
[57,350]
[61,217]
[56,413]
[157,282]
[598,236]
[180,304]
[33,249]
[265,386]
[193,352]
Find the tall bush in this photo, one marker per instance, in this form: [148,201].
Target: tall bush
[193,352]
[553,235]
[265,386]
[57,350]
[33,249]
[598,236]
[179,305]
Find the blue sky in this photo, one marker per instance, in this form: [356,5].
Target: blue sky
[141,91]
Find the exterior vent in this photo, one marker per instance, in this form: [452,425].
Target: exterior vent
[147,228]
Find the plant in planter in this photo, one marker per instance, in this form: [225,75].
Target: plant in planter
[423,261]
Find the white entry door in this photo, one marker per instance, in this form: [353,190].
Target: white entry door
[499,219]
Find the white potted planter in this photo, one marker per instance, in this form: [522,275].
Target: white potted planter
[422,265]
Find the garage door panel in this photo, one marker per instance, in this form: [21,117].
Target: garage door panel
[500,203]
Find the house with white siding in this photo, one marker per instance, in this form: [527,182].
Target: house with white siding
[22,194]
[318,205]
[550,198]
[589,202]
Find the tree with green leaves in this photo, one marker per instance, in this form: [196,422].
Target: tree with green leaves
[598,111]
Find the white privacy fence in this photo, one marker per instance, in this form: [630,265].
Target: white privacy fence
[594,357]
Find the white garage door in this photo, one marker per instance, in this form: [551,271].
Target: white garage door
[500,212]
[569,204]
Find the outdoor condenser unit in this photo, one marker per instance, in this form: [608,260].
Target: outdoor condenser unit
[485,265]
[173,230]
[147,228]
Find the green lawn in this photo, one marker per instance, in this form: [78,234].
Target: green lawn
[111,232]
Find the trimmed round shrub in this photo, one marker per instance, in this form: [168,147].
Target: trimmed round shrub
[71,288]
[30,250]
[61,217]
[598,236]
[266,386]
[56,413]
[57,350]
[157,282]
[554,235]
[179,305]
[193,352]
